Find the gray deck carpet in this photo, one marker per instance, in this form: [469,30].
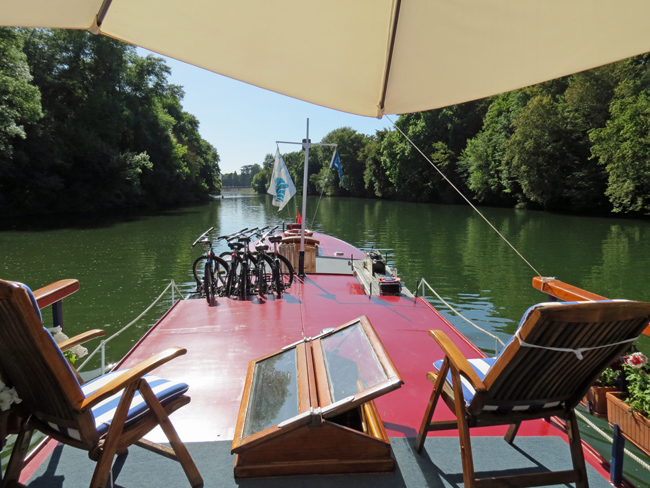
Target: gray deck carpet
[438,466]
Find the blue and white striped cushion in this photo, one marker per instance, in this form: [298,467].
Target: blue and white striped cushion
[104,411]
[481,366]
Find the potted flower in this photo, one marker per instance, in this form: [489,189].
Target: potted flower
[9,422]
[72,354]
[8,396]
[609,381]
[631,410]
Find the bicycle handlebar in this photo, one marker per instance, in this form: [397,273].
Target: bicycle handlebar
[202,236]
[268,232]
[233,235]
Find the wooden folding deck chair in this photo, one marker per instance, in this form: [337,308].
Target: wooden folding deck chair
[556,354]
[104,416]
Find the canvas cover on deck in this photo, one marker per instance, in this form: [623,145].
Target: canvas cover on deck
[366,57]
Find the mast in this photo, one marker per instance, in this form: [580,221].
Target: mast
[306,144]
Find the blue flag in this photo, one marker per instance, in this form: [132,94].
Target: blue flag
[336,164]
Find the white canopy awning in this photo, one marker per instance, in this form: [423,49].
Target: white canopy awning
[366,57]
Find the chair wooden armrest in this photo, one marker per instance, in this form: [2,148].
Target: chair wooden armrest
[130,375]
[54,292]
[81,338]
[457,360]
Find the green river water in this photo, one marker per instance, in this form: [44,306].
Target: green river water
[124,264]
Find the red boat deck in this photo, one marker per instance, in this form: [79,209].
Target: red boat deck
[222,340]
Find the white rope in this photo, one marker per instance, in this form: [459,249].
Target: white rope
[463,196]
[610,439]
[104,342]
[460,314]
[578,352]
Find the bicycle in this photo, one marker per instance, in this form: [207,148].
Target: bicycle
[214,270]
[238,282]
[281,270]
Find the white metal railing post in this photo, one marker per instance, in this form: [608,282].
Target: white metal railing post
[102,346]
[103,353]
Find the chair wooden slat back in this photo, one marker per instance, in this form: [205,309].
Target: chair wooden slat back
[126,405]
[556,354]
[524,375]
[35,367]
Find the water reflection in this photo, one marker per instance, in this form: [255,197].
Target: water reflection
[124,265]
[351,363]
[274,393]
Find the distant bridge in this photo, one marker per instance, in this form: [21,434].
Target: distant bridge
[237,189]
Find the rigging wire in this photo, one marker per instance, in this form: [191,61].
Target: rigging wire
[463,196]
[322,190]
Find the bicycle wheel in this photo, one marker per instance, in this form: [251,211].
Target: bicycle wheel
[208,284]
[231,286]
[286,274]
[219,269]
[264,275]
[243,280]
[195,268]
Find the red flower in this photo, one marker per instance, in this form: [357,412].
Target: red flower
[636,360]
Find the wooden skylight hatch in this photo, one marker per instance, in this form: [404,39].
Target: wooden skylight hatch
[308,408]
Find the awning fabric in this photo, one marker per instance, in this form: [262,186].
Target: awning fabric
[366,57]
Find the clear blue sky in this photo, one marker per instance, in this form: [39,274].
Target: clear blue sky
[243,122]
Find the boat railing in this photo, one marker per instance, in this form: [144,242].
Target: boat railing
[53,295]
[102,345]
[420,289]
[558,290]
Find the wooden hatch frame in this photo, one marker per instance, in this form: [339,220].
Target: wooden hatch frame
[314,441]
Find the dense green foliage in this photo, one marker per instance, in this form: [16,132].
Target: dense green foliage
[86,124]
[579,144]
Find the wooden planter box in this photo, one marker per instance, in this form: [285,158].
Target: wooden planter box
[595,401]
[633,426]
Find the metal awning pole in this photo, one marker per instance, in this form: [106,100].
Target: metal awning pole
[306,144]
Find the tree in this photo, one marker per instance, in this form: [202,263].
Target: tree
[483,163]
[261,180]
[21,100]
[349,145]
[441,135]
[113,132]
[623,145]
[537,152]
[375,179]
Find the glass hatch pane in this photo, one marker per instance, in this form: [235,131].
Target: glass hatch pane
[274,392]
[351,362]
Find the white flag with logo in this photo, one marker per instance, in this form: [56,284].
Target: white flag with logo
[281,186]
